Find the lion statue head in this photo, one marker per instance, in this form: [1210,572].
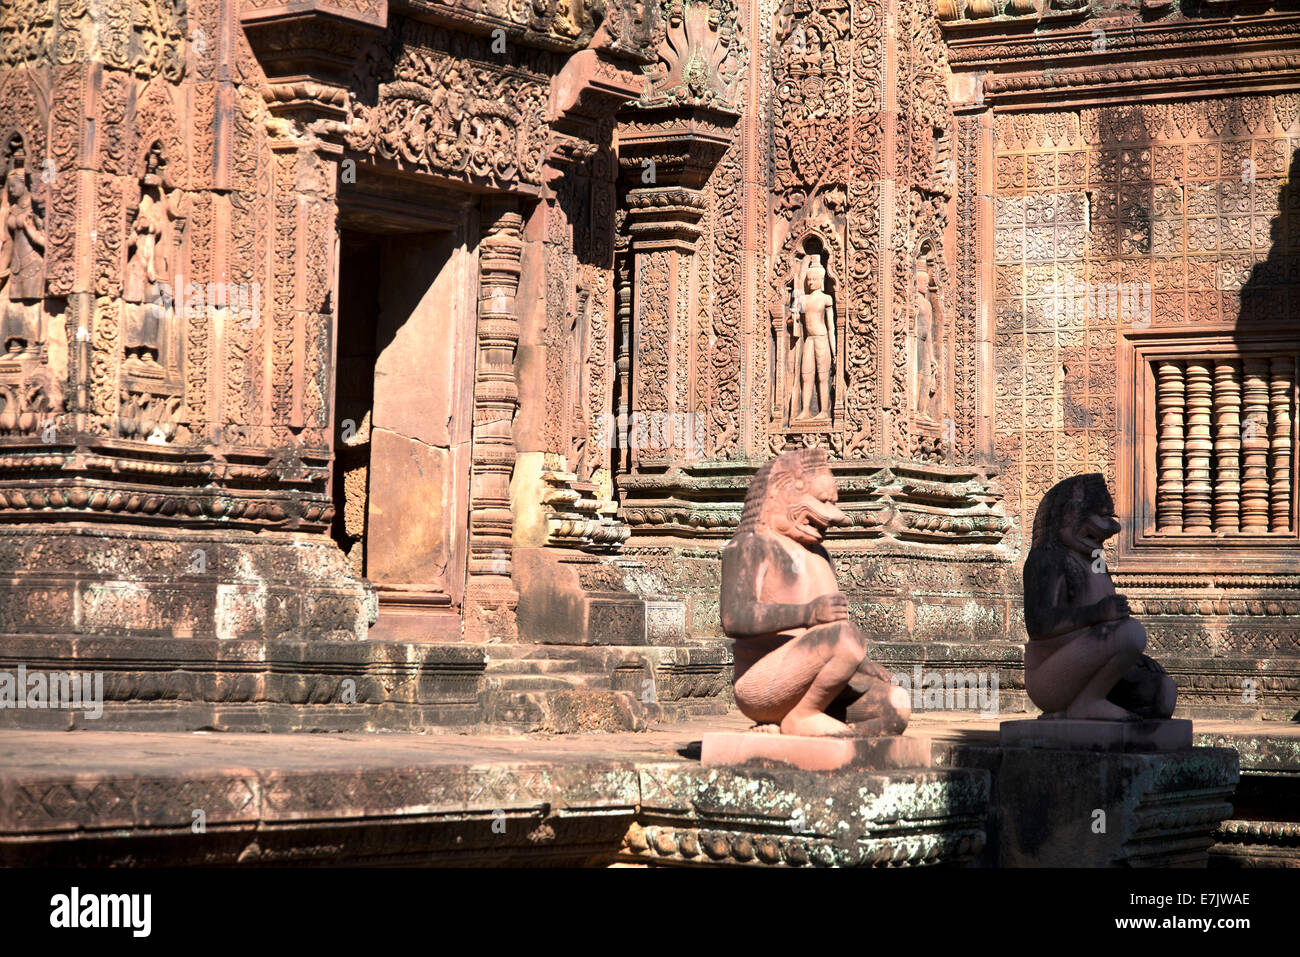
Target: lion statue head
[793,495]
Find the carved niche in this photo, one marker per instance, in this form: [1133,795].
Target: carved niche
[825,117]
[22,261]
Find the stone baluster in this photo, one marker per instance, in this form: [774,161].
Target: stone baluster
[1227,446]
[1169,446]
[1254,444]
[1196,495]
[1281,384]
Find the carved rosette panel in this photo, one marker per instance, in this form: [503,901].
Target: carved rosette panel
[1114,220]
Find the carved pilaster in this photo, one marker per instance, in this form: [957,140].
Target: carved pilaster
[663,223]
[496,397]
[670,140]
[623,352]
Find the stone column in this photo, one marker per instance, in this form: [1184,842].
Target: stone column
[496,398]
[1281,388]
[622,353]
[1227,446]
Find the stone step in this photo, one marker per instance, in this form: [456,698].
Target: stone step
[532,666]
[583,658]
[567,712]
[535,651]
[677,712]
[530,682]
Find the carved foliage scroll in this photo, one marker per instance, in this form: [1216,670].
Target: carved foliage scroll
[436,101]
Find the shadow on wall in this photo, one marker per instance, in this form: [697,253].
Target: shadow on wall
[1271,292]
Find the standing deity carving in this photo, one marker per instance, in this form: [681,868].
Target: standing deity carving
[811,358]
[22,263]
[145,287]
[929,398]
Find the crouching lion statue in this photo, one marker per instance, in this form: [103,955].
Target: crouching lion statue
[1084,656]
[801,665]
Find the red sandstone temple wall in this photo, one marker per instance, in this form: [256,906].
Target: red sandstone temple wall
[1030,284]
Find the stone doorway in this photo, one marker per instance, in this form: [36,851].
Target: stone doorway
[403,413]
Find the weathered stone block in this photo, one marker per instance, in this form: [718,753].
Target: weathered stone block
[1052,808]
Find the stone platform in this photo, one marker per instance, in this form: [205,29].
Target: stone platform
[189,684]
[117,798]
[1063,734]
[120,798]
[754,749]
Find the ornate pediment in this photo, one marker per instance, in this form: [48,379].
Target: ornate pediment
[700,55]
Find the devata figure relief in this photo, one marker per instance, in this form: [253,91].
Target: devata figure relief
[22,264]
[145,288]
[801,665]
[929,343]
[812,343]
[1084,657]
